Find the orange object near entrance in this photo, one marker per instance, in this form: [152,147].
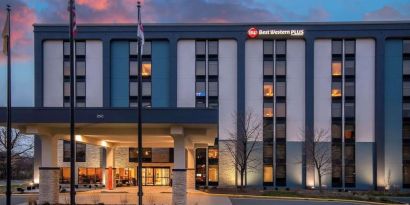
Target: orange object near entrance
[110,179]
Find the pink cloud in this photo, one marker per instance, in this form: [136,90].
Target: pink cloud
[96,5]
[385,13]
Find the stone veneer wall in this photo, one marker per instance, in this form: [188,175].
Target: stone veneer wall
[179,195]
[49,185]
[190,179]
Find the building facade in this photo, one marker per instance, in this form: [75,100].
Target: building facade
[347,80]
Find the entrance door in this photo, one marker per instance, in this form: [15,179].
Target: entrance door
[155,176]
[162,176]
[147,176]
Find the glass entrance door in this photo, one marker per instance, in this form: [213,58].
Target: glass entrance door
[155,176]
[161,176]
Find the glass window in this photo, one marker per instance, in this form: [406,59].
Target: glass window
[80,48]
[350,174]
[406,109]
[281,89]
[133,154]
[268,109]
[406,131]
[349,152]
[134,48]
[349,89]
[200,89]
[200,69]
[268,47]
[134,89]
[81,89]
[336,109]
[336,89]
[268,68]
[66,89]
[336,68]
[80,152]
[200,103]
[406,46]
[281,172]
[406,67]
[213,173]
[406,88]
[213,153]
[146,68]
[213,68]
[66,48]
[146,50]
[267,89]
[337,47]
[267,173]
[280,151]
[268,130]
[349,131]
[80,68]
[268,151]
[280,110]
[66,68]
[146,88]
[133,68]
[213,89]
[349,110]
[280,47]
[80,103]
[66,151]
[280,68]
[336,152]
[350,47]
[212,47]
[350,67]
[280,131]
[82,176]
[200,47]
[336,130]
[65,175]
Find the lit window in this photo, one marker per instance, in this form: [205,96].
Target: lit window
[213,173]
[213,153]
[146,69]
[267,173]
[336,89]
[268,110]
[200,89]
[336,68]
[267,89]
[349,131]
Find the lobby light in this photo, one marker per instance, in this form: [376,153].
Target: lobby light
[78,138]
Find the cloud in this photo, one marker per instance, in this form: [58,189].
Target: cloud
[96,5]
[386,13]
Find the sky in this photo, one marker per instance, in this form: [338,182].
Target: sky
[27,12]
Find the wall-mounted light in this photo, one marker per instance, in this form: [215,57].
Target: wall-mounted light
[78,138]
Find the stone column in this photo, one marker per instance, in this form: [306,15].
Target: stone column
[179,195]
[49,172]
[190,172]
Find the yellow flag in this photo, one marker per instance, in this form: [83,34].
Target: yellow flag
[6,35]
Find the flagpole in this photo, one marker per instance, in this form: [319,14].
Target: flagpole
[8,191]
[140,193]
[72,111]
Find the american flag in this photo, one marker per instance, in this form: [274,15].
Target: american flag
[140,33]
[71,8]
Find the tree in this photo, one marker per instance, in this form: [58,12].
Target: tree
[21,148]
[318,154]
[242,143]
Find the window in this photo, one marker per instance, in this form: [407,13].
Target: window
[80,48]
[349,152]
[66,89]
[268,110]
[280,68]
[406,88]
[336,89]
[337,47]
[281,89]
[80,89]
[213,173]
[280,151]
[133,68]
[213,47]
[134,48]
[280,131]
[66,68]
[336,109]
[200,68]
[280,110]
[200,89]
[200,47]
[336,68]
[213,153]
[406,152]
[65,175]
[337,130]
[213,89]
[66,151]
[349,109]
[406,67]
[350,176]
[146,48]
[406,46]
[267,89]
[406,175]
[80,66]
[268,68]
[406,131]
[133,154]
[280,47]
[268,151]
[350,47]
[89,175]
[267,173]
[133,89]
[146,88]
[350,67]
[280,174]
[213,68]
[66,48]
[268,47]
[81,152]
[406,110]
[349,89]
[146,69]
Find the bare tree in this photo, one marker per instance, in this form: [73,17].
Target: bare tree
[241,144]
[318,154]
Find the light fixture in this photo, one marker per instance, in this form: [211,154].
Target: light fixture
[78,138]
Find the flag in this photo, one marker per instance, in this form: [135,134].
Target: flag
[71,8]
[5,35]
[141,33]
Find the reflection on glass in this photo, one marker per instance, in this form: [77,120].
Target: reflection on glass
[146,69]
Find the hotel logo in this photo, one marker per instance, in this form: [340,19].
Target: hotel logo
[274,33]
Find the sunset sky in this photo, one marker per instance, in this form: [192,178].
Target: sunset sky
[27,12]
